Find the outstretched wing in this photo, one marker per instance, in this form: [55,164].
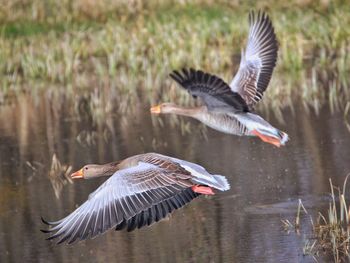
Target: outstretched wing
[132,197]
[214,92]
[258,61]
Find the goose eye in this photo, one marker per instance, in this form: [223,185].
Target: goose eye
[86,168]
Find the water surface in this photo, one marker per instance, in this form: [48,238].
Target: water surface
[240,225]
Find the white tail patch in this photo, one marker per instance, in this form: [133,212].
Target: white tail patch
[223,181]
[203,177]
[285,138]
[255,122]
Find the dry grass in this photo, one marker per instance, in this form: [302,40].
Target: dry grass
[331,231]
[59,175]
[112,51]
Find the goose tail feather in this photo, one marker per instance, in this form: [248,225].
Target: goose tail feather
[257,126]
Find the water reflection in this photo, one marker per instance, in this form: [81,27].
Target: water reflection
[242,225]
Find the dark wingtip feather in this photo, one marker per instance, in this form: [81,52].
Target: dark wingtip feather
[63,240]
[201,84]
[186,73]
[121,226]
[45,222]
[175,75]
[54,236]
[132,223]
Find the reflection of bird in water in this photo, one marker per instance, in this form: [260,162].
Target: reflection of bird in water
[227,107]
[143,189]
[59,175]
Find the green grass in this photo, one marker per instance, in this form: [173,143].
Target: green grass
[128,50]
[21,29]
[25,29]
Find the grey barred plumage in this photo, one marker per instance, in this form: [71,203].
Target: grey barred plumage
[226,123]
[143,189]
[227,108]
[215,93]
[258,61]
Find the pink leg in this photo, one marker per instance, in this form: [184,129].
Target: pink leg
[206,190]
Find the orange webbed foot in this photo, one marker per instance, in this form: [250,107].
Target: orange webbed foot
[206,190]
[268,139]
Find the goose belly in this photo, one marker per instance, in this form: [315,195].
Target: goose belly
[224,123]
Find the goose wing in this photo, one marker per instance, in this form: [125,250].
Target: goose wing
[132,197]
[213,91]
[258,61]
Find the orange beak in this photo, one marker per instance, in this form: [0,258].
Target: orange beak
[155,109]
[77,174]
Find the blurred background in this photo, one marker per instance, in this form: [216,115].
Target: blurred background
[77,79]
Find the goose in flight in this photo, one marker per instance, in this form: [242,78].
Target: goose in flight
[142,189]
[228,107]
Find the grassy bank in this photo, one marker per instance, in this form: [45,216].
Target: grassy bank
[107,50]
[331,232]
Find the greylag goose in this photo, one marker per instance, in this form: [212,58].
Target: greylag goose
[142,189]
[227,108]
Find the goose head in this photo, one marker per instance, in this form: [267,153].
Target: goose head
[164,108]
[95,170]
